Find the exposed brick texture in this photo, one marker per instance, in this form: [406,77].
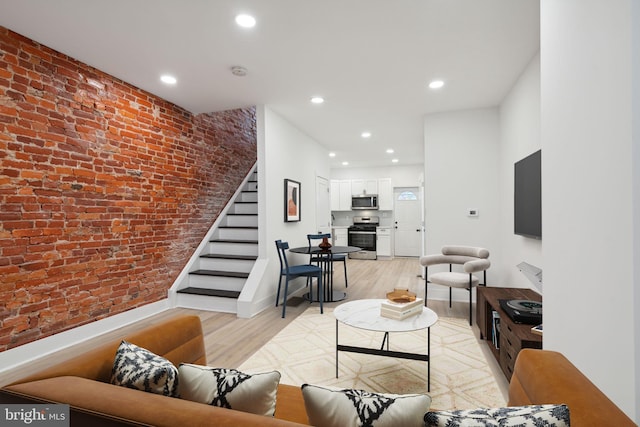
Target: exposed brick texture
[105,190]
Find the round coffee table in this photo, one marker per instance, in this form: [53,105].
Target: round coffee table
[365,314]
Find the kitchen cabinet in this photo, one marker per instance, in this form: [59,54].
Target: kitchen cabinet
[340,237]
[383,244]
[341,195]
[385,194]
[364,186]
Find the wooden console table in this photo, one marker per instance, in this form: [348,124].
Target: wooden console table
[513,336]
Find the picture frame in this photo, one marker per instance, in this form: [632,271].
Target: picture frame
[292,200]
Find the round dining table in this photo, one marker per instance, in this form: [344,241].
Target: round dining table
[326,256]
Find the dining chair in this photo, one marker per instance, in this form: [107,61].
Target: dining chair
[314,259]
[292,271]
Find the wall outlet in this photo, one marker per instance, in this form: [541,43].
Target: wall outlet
[472,212]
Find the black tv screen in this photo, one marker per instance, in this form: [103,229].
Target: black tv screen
[527,197]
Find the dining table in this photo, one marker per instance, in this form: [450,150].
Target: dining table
[326,257]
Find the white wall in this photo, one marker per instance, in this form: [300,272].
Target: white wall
[401,175]
[588,198]
[285,152]
[635,16]
[461,172]
[519,137]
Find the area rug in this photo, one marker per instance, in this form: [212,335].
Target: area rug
[305,352]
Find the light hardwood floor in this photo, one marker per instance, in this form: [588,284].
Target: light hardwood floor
[231,340]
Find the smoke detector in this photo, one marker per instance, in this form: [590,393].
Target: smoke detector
[238,71]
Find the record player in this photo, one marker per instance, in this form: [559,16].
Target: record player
[523,311]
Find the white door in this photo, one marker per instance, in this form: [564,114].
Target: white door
[323,205]
[407,221]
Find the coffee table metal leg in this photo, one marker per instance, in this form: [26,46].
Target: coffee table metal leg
[336,348]
[429,359]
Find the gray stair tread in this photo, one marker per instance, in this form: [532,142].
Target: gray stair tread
[240,275]
[241,227]
[228,256]
[242,214]
[209,292]
[245,203]
[253,242]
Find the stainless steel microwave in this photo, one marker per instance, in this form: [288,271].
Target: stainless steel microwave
[364,201]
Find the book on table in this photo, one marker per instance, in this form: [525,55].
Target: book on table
[401,307]
[400,315]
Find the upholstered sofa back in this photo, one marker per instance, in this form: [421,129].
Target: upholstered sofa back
[178,339]
[543,376]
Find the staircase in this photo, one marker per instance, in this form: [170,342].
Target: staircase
[219,273]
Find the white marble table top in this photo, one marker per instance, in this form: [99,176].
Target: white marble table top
[365,314]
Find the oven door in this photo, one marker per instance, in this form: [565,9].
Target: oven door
[365,240]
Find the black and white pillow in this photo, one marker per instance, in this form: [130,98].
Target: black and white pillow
[520,416]
[138,368]
[333,407]
[230,388]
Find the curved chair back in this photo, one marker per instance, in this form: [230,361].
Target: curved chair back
[282,256]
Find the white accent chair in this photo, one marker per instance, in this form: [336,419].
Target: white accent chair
[472,259]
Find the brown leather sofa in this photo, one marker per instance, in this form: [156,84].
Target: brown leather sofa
[83,383]
[543,376]
[540,377]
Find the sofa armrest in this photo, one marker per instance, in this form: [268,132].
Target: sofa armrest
[543,376]
[139,407]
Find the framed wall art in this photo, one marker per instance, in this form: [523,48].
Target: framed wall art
[292,198]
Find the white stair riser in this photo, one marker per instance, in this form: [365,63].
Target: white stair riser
[221,264]
[251,186]
[241,220]
[199,302]
[248,197]
[233,248]
[238,233]
[249,208]
[216,282]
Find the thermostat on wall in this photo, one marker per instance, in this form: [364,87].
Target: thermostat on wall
[472,212]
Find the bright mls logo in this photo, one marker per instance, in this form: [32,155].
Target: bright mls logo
[34,415]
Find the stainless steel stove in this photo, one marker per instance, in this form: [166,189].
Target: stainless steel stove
[363,235]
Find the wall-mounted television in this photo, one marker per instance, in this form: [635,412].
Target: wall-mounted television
[527,197]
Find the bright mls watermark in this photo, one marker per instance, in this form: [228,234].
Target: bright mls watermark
[34,415]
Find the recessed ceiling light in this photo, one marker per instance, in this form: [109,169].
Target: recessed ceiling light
[394,160]
[246,21]
[366,134]
[317,100]
[345,163]
[170,80]
[239,71]
[389,150]
[436,84]
[332,154]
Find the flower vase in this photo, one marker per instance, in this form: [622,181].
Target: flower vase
[324,244]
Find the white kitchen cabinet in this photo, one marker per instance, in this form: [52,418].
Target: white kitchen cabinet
[385,194]
[340,237]
[341,195]
[383,244]
[364,186]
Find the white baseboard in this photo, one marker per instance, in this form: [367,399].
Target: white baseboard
[26,353]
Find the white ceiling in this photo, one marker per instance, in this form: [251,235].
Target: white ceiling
[370,59]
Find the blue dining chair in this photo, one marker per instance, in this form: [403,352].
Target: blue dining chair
[291,272]
[311,238]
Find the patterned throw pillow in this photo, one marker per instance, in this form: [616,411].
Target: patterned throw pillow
[332,407]
[136,367]
[229,388]
[521,416]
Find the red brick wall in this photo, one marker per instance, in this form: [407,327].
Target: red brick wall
[105,190]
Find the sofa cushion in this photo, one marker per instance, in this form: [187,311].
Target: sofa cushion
[521,416]
[140,369]
[229,388]
[333,407]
